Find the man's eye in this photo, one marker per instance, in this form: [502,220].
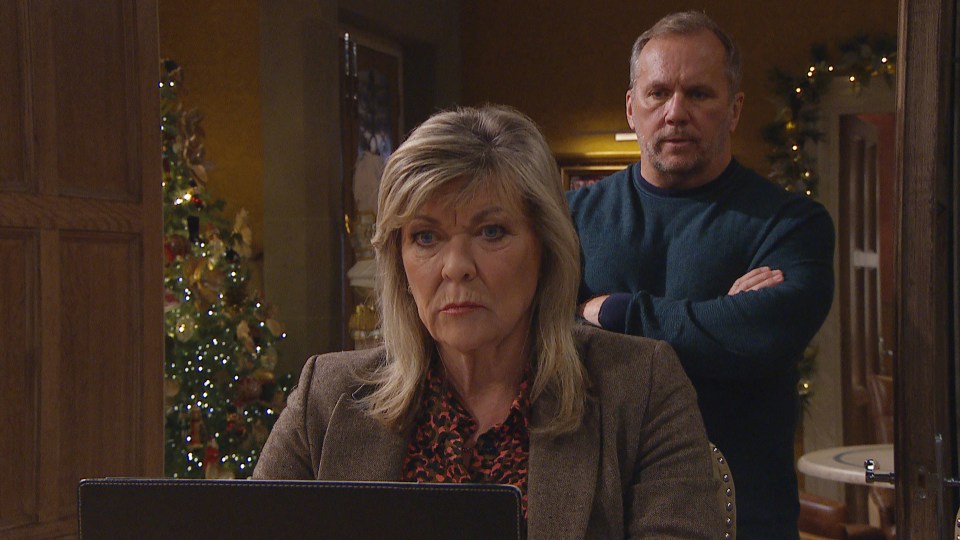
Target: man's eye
[492,232]
[700,95]
[423,238]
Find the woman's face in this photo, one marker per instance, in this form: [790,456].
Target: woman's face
[473,272]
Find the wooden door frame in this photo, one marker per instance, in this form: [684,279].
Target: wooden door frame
[926,180]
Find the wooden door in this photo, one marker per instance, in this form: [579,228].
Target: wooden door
[867,272]
[81,335]
[863,170]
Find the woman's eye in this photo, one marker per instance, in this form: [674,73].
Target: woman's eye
[492,232]
[423,238]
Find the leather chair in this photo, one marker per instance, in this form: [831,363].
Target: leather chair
[821,517]
[826,518]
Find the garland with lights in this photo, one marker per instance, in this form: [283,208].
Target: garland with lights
[221,395]
[797,122]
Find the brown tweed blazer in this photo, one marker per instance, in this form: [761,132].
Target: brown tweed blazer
[638,467]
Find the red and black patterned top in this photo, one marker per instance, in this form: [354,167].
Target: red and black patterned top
[440,449]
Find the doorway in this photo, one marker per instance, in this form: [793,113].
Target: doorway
[856,162]
[867,292]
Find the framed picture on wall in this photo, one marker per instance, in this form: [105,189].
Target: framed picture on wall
[577,172]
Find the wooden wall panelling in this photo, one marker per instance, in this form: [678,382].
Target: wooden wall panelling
[95,99]
[80,255]
[100,361]
[19,382]
[12,134]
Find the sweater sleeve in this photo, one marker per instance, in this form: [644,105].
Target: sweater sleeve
[752,333]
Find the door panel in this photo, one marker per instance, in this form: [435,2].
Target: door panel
[12,173]
[80,255]
[859,270]
[103,107]
[100,360]
[86,97]
[19,383]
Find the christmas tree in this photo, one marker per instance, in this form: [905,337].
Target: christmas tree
[221,394]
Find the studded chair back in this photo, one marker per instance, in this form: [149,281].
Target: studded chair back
[956,525]
[727,495]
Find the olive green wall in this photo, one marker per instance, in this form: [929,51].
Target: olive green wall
[565,63]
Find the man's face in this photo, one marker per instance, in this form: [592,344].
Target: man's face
[681,110]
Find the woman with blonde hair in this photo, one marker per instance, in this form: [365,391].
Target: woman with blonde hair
[484,375]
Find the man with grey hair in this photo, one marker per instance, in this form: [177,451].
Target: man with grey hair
[691,247]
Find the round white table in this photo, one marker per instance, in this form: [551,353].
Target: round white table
[845,463]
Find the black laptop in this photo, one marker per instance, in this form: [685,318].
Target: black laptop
[116,508]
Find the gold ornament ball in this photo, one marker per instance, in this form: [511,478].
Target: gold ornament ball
[171,387]
[186,327]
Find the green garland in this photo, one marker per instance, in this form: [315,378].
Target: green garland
[797,122]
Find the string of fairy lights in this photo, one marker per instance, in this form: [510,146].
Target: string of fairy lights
[796,127]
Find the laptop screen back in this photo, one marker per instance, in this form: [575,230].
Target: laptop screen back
[207,509]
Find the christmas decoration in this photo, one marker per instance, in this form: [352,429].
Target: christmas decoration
[220,392]
[797,122]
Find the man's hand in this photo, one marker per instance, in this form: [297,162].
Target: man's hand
[590,310]
[756,279]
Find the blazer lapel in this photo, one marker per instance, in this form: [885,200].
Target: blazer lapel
[357,447]
[562,474]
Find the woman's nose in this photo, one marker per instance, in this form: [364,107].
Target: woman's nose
[458,261]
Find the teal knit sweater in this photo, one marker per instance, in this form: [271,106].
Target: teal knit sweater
[669,257]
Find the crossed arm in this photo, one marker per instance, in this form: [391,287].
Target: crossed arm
[767,318]
[754,280]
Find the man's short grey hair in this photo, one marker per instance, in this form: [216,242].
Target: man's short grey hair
[688,23]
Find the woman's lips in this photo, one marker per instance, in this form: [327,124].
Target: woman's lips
[459,308]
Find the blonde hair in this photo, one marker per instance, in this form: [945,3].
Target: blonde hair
[490,148]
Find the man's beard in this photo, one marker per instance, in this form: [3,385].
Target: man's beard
[681,168]
[672,165]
